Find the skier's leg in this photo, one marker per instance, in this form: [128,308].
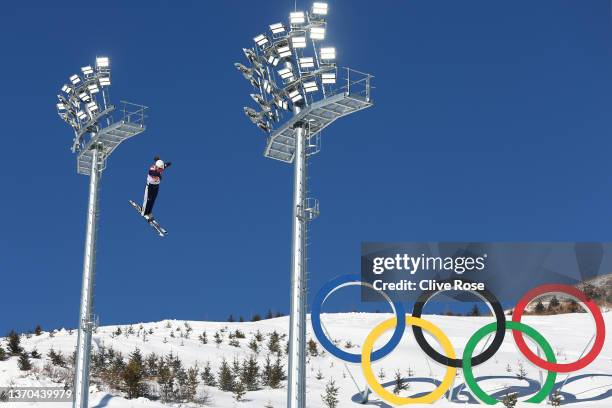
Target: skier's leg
[153,190]
[145,200]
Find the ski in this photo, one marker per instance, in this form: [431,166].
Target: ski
[153,223]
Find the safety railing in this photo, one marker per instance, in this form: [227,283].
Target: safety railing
[353,82]
[133,113]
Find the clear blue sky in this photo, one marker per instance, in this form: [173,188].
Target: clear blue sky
[493,121]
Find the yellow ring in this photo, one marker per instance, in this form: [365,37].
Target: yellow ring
[366,363]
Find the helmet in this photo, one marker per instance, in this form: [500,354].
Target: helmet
[160,164]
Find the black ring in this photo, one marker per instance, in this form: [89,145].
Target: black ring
[500,332]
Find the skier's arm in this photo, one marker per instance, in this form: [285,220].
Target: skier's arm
[168,164]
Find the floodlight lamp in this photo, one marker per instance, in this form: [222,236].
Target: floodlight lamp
[267,86]
[319,8]
[84,96]
[264,126]
[273,60]
[81,115]
[66,89]
[297,17]
[328,53]
[277,28]
[310,86]
[61,106]
[298,42]
[75,79]
[260,100]
[93,89]
[251,114]
[255,82]
[261,40]
[88,70]
[92,107]
[104,81]
[284,52]
[250,54]
[328,78]
[286,74]
[281,103]
[102,62]
[306,62]
[295,96]
[317,33]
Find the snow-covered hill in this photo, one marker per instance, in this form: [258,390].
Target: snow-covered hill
[568,334]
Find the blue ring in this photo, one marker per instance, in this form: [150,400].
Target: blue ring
[315,316]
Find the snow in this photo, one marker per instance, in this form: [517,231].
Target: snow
[568,334]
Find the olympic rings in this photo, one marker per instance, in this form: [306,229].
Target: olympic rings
[399,323]
[593,308]
[315,315]
[516,327]
[500,332]
[366,352]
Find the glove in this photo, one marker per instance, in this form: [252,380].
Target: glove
[168,164]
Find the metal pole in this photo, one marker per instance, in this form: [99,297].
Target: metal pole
[81,380]
[296,386]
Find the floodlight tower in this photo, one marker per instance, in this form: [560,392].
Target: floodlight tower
[98,129]
[292,72]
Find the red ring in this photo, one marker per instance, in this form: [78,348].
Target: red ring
[593,308]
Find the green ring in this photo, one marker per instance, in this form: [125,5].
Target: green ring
[490,328]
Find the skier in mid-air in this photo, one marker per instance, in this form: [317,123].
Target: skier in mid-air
[153,179]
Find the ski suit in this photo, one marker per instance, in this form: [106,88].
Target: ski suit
[150,195]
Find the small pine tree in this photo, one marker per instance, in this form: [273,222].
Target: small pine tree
[57,359]
[165,379]
[231,319]
[330,398]
[225,377]
[521,374]
[509,400]
[239,391]
[381,374]
[254,346]
[266,372]
[38,330]
[398,383]
[14,344]
[258,336]
[256,317]
[274,343]
[35,354]
[278,372]
[313,349]
[218,339]
[539,308]
[191,383]
[554,303]
[319,375]
[269,315]
[2,354]
[555,399]
[241,319]
[133,376]
[24,363]
[207,376]
[250,374]
[475,311]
